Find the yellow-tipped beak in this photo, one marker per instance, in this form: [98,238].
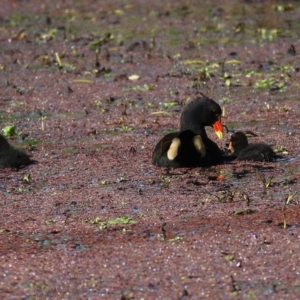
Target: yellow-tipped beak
[230,146]
[218,128]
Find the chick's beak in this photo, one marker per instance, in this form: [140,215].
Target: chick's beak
[230,146]
[218,128]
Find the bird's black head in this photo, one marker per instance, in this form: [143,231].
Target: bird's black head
[199,113]
[238,141]
[4,145]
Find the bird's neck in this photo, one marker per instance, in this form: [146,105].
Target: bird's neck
[196,129]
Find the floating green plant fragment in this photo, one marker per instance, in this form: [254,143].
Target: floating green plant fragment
[204,71]
[122,179]
[287,68]
[289,198]
[251,295]
[280,8]
[281,149]
[26,178]
[102,225]
[102,41]
[229,257]
[41,286]
[21,90]
[30,142]
[83,80]
[194,62]
[63,65]
[227,82]
[165,178]
[138,88]
[170,104]
[225,100]
[125,128]
[68,66]
[150,105]
[161,112]
[17,104]
[233,294]
[21,190]
[264,83]
[269,83]
[9,130]
[43,123]
[50,222]
[284,216]
[175,239]
[57,57]
[117,221]
[269,182]
[49,35]
[249,73]
[121,220]
[268,34]
[232,62]
[118,12]
[283,210]
[243,212]
[96,220]
[70,150]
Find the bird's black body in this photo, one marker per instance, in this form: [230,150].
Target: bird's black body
[181,149]
[242,150]
[11,157]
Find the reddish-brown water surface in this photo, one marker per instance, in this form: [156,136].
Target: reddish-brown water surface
[91,87]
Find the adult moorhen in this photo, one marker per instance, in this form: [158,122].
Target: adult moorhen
[191,147]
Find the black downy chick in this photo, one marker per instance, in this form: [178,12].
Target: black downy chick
[242,150]
[11,157]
